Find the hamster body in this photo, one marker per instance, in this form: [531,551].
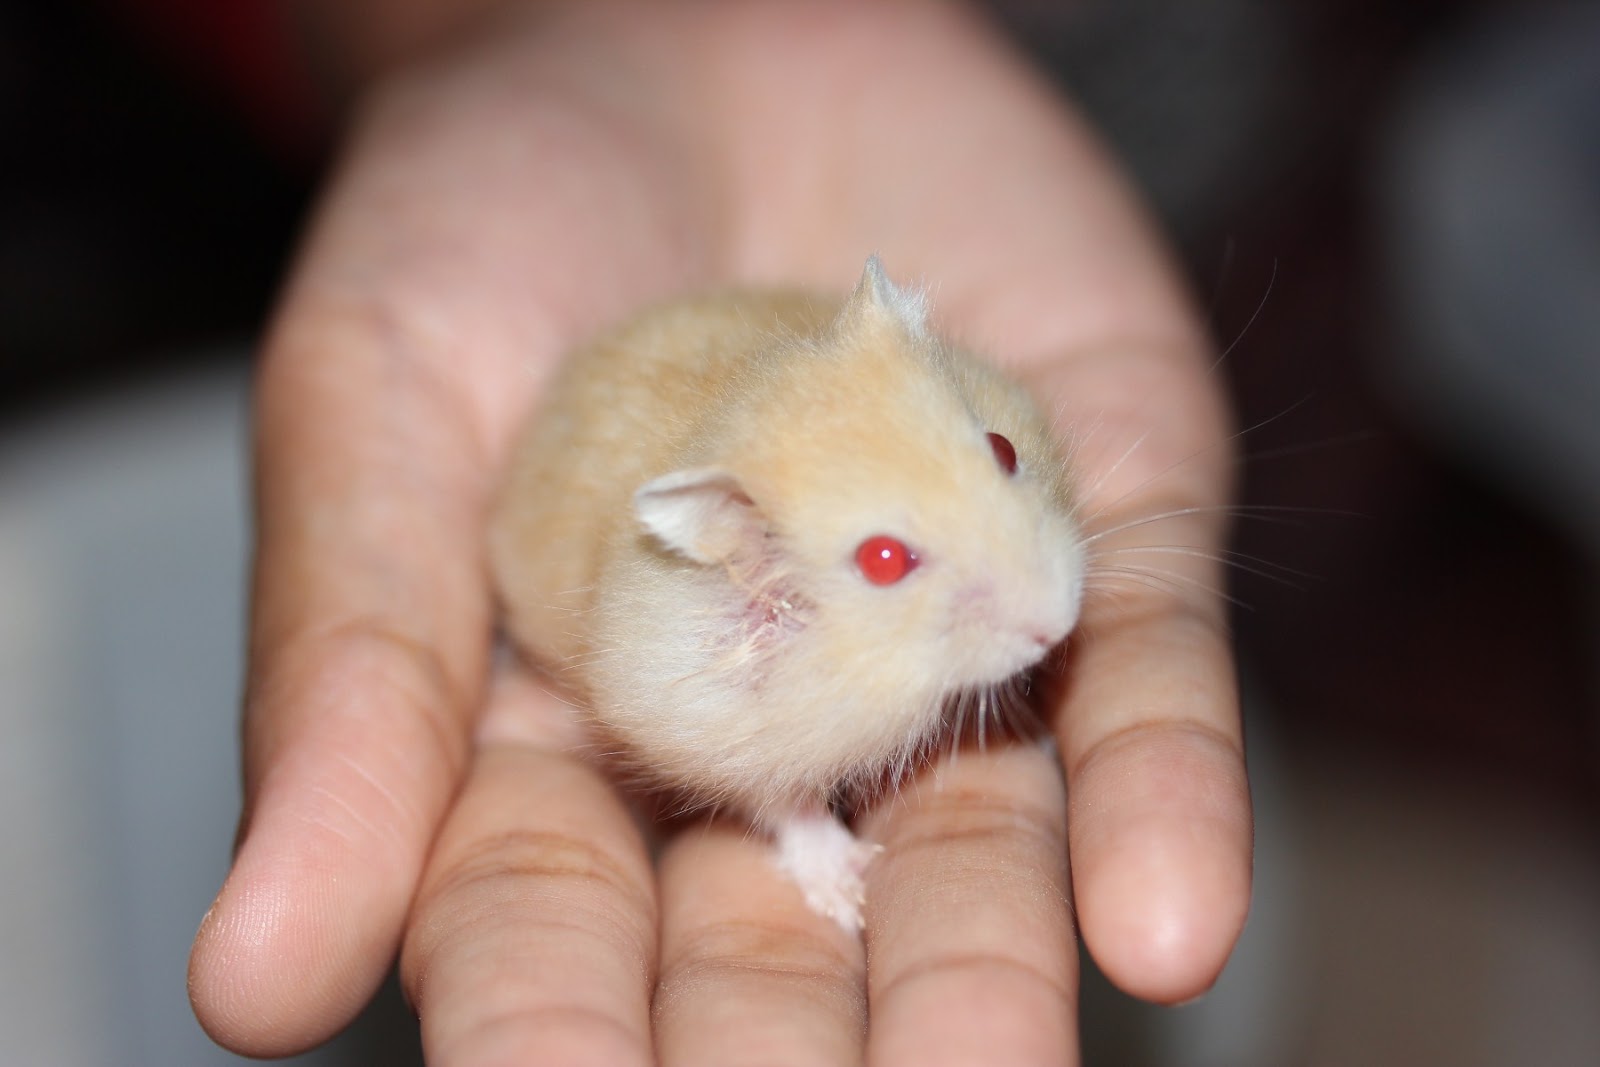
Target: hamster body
[768,537]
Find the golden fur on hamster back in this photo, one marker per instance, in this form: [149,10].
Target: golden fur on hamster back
[623,411]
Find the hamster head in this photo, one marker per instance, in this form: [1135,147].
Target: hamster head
[899,501]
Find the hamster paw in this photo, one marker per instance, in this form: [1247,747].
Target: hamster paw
[821,856]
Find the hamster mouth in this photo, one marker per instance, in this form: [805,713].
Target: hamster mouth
[1014,655]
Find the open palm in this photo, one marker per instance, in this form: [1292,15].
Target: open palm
[496,205]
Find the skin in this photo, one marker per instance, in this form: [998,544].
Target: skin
[505,190]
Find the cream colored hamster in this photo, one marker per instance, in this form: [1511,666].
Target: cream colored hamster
[768,537]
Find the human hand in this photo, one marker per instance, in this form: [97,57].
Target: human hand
[497,204]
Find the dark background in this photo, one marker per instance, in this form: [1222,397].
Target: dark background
[142,220]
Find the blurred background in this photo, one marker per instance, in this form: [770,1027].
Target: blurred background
[1392,216]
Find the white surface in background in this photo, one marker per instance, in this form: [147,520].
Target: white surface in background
[121,599]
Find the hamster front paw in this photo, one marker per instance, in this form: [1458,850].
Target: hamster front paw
[821,856]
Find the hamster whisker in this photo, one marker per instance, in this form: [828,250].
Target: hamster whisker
[1261,305]
[1158,475]
[1255,565]
[958,728]
[1161,580]
[1107,474]
[1074,438]
[574,635]
[1279,513]
[567,609]
[1009,700]
[983,720]
[569,594]
[583,659]
[555,694]
[1354,437]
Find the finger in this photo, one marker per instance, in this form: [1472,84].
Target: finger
[369,635]
[1159,820]
[533,936]
[406,350]
[969,916]
[749,974]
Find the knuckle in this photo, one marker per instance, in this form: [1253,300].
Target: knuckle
[547,863]
[539,1033]
[754,950]
[525,887]
[1168,735]
[970,819]
[366,669]
[974,970]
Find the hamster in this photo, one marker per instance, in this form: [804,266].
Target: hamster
[769,538]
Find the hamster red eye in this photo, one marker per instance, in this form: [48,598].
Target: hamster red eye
[1005,453]
[884,560]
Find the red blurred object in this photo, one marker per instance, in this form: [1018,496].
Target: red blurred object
[250,49]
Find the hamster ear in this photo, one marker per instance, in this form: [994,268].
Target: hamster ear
[877,299]
[702,513]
